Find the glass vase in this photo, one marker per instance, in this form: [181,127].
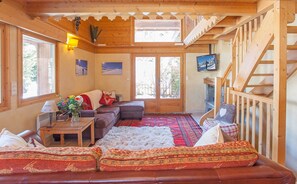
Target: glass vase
[75,117]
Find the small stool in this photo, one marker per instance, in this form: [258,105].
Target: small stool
[132,110]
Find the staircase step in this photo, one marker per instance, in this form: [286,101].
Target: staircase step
[292,29]
[262,74]
[258,85]
[289,47]
[271,62]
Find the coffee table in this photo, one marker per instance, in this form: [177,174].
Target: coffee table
[67,127]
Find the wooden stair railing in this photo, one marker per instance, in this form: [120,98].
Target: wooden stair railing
[260,42]
[254,118]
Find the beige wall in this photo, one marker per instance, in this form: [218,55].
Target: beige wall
[291,156]
[195,87]
[19,119]
[119,83]
[70,83]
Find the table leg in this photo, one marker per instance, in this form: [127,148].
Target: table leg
[42,136]
[62,140]
[92,133]
[79,137]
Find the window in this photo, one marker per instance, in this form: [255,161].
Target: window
[38,67]
[4,70]
[157,31]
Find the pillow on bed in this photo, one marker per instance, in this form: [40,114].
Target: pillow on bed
[212,136]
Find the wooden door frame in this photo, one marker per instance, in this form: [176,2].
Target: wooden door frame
[158,56]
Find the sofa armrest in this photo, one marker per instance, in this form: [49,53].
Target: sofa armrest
[27,134]
[87,113]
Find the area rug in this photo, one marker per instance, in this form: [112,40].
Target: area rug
[136,138]
[184,128]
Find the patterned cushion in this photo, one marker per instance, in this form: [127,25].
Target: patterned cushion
[46,160]
[231,154]
[226,113]
[230,129]
[106,99]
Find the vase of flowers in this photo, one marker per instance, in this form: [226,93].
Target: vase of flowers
[71,105]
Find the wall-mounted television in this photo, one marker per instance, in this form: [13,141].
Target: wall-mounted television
[207,62]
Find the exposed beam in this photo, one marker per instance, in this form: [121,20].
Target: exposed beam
[39,8]
[201,28]
[205,42]
[215,30]
[228,21]
[14,15]
[263,6]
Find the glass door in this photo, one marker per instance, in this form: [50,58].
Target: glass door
[158,81]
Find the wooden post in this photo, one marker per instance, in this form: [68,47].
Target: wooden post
[280,80]
[218,92]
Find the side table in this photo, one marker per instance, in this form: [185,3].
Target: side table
[67,127]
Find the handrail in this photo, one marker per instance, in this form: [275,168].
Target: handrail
[254,118]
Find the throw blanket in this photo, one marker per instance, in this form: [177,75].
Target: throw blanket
[87,105]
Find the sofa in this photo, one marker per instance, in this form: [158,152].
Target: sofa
[262,171]
[96,104]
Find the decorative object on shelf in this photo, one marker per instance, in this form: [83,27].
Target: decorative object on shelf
[112,68]
[77,23]
[94,32]
[50,107]
[71,104]
[81,67]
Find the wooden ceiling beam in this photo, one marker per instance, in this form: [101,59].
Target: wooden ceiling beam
[14,15]
[263,6]
[228,21]
[215,30]
[41,8]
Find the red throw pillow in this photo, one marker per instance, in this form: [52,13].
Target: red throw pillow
[106,99]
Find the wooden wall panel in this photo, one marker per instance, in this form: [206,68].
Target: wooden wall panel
[116,32]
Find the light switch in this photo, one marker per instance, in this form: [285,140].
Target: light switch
[13,88]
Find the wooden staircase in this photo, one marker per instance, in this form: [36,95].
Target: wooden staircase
[259,45]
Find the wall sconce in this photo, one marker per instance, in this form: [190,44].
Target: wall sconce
[72,42]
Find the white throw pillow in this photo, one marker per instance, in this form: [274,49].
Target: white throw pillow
[211,136]
[8,139]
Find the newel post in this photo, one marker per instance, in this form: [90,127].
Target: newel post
[283,12]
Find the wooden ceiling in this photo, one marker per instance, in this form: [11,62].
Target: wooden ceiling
[229,12]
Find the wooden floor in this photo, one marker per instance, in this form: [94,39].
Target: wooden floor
[196,116]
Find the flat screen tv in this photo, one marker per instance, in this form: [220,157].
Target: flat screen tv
[207,62]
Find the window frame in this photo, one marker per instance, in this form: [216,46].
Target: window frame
[40,98]
[162,44]
[5,77]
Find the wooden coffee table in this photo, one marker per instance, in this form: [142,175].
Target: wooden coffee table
[67,127]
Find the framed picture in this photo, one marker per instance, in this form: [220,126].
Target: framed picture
[81,67]
[112,68]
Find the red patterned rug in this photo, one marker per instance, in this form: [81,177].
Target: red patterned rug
[185,130]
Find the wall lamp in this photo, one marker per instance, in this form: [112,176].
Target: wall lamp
[72,43]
